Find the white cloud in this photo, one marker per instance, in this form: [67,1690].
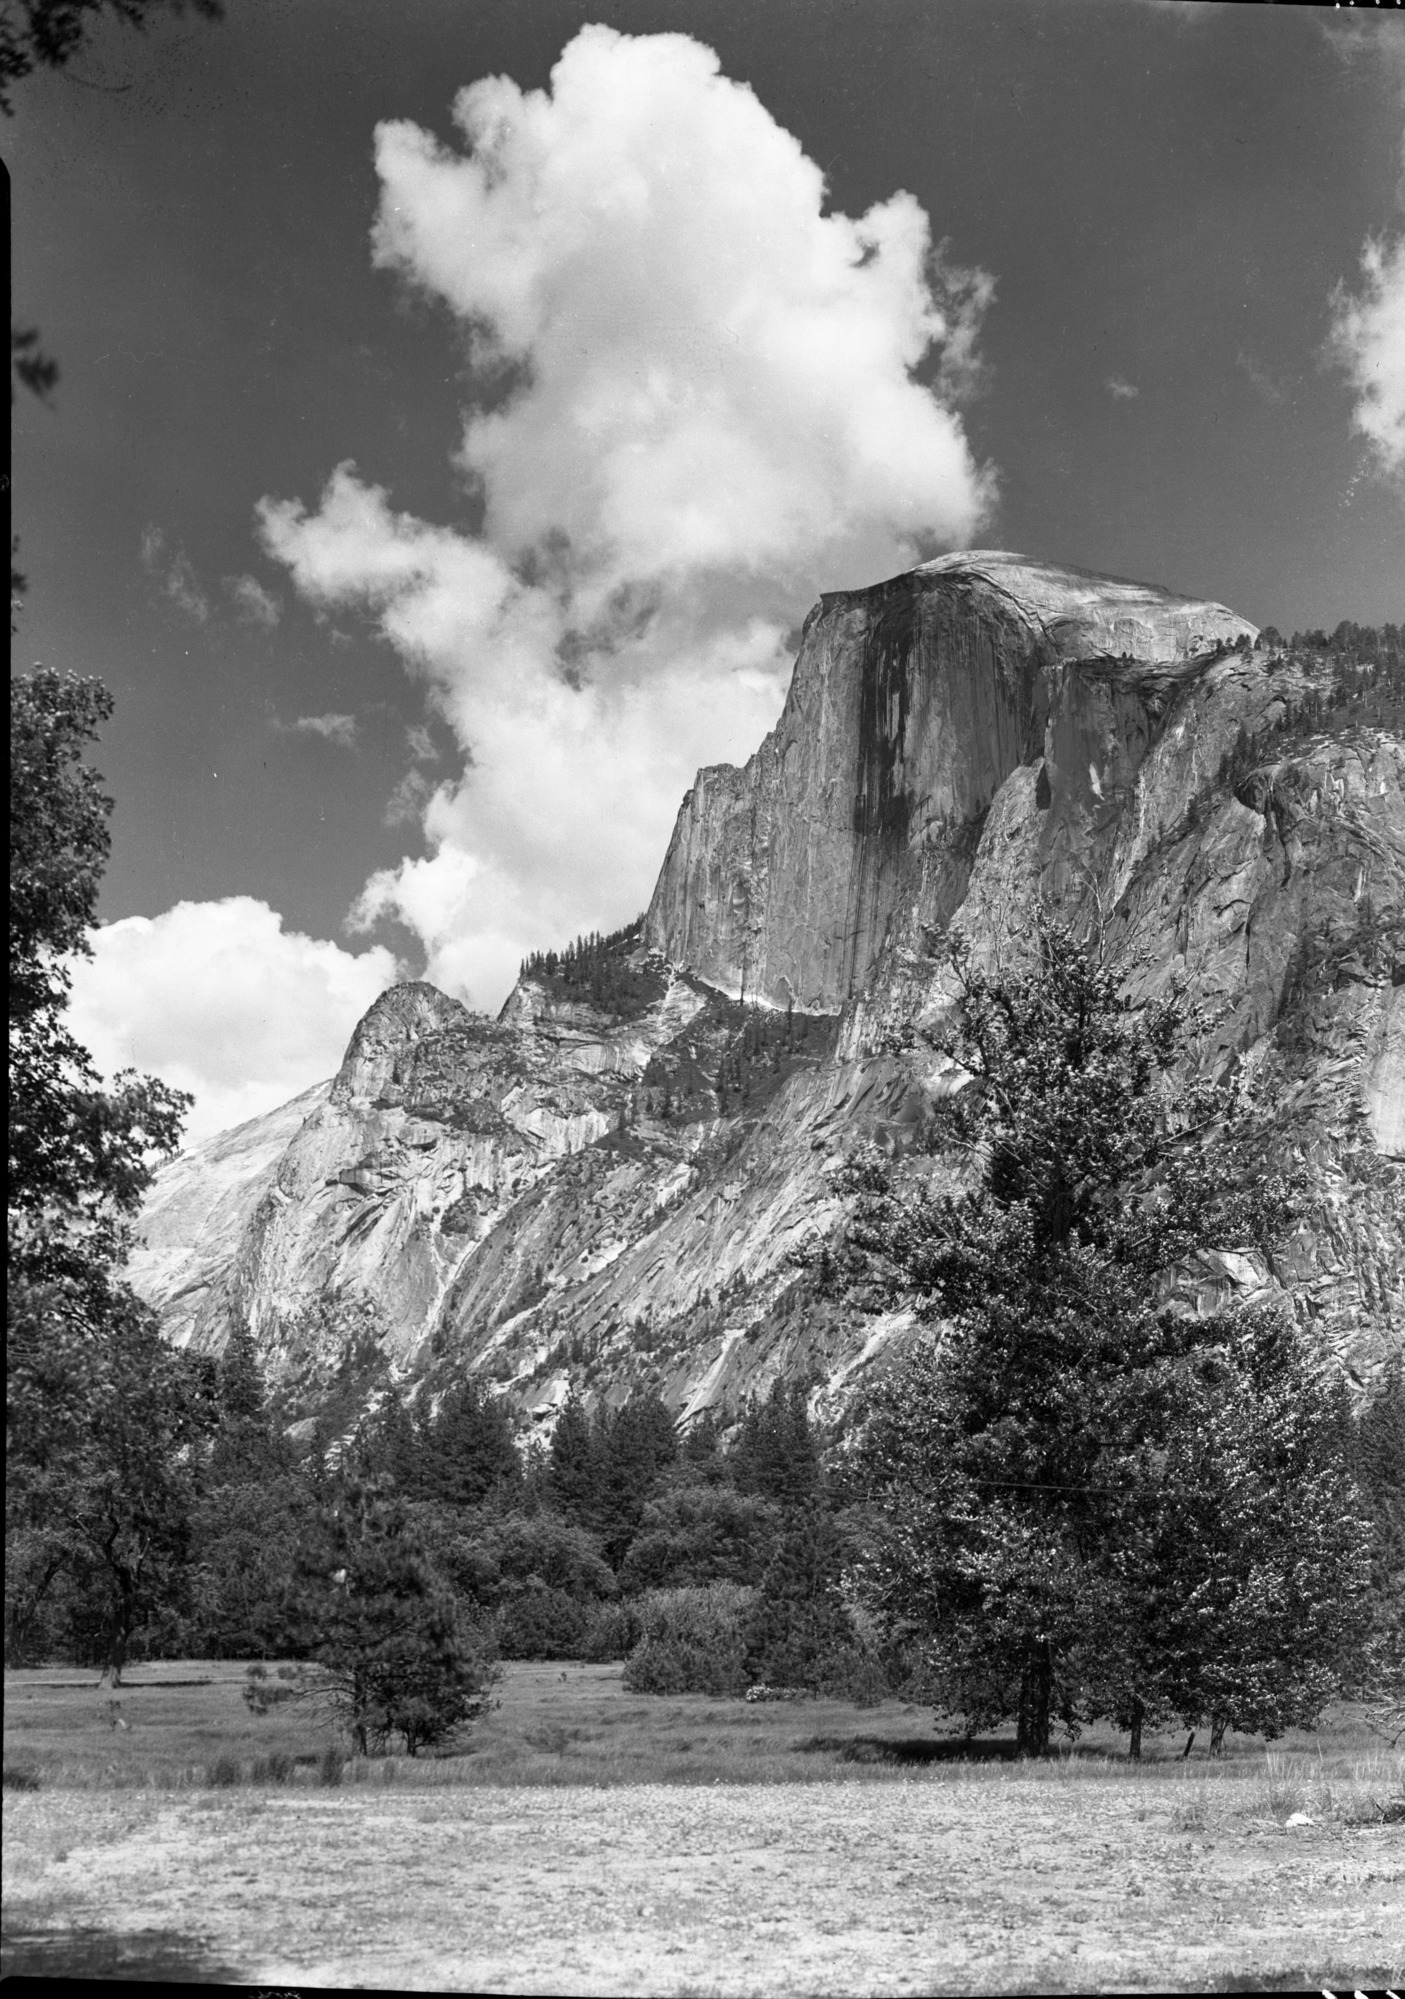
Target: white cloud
[1120,390]
[254,604]
[338,729]
[1368,341]
[707,411]
[218,999]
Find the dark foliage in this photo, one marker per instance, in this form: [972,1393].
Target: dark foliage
[102,1419]
[1070,1471]
[697,1534]
[47,34]
[799,1632]
[395,1657]
[775,1452]
[607,973]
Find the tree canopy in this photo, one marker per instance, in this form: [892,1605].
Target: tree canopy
[1096,1504]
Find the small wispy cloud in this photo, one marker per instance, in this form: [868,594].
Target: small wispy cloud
[1273,392]
[340,730]
[409,798]
[421,744]
[173,570]
[254,604]
[1121,391]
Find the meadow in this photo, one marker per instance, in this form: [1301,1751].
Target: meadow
[583,1839]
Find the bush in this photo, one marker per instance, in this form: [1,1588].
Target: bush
[612,1633]
[700,1534]
[223,1773]
[542,1623]
[692,1641]
[334,1761]
[17,1778]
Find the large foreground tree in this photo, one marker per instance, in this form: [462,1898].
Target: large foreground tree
[1097,1504]
[100,1418]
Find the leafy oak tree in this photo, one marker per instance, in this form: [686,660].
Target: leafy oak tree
[1095,1504]
[100,1418]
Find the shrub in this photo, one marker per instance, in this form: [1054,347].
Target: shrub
[223,1773]
[613,1632]
[692,1641]
[700,1534]
[329,1770]
[542,1623]
[17,1778]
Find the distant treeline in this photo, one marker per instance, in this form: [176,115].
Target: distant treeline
[596,971]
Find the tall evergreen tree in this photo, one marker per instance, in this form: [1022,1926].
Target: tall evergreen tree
[775,1452]
[632,1449]
[468,1450]
[1041,1459]
[572,1476]
[800,1634]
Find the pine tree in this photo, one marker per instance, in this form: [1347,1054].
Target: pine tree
[632,1449]
[775,1452]
[572,1474]
[468,1450]
[394,1656]
[799,1633]
[247,1443]
[1048,1462]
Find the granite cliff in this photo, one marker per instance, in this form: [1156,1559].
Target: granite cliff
[605,1184]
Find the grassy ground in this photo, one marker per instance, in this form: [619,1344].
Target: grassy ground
[589,1840]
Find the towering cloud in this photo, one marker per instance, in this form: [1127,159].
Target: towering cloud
[701,399]
[1368,340]
[218,999]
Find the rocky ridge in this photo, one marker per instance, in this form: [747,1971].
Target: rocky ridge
[606,1186]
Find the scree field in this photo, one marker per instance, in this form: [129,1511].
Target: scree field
[584,1840]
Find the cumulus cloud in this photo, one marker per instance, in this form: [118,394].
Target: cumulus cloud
[218,999]
[1367,340]
[254,604]
[710,400]
[175,573]
[1121,391]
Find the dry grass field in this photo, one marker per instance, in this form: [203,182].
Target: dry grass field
[594,1842]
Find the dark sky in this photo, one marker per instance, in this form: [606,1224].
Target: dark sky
[1164,195]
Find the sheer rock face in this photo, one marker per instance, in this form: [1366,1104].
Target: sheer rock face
[911,705]
[601,1195]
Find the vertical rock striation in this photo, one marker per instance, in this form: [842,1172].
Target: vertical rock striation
[911,704]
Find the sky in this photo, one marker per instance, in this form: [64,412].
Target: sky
[462,403]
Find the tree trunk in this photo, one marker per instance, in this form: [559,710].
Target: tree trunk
[1188,1742]
[1218,1724]
[1036,1693]
[1134,1747]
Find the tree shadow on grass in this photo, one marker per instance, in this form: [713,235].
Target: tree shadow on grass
[159,1956]
[909,1749]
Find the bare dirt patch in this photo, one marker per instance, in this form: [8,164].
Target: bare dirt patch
[916,1886]
[585,1840]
